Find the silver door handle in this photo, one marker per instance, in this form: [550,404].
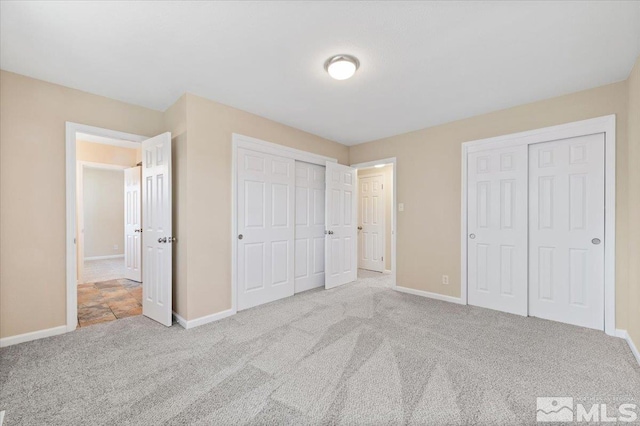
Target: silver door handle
[472,236]
[162,240]
[240,236]
[596,241]
[329,232]
[359,228]
[137,230]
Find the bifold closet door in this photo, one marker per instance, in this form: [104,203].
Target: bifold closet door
[266,191]
[497,229]
[310,226]
[566,236]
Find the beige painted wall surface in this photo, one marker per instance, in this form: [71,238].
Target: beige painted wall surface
[387,172]
[103,196]
[633,325]
[208,203]
[33,212]
[107,154]
[429,183]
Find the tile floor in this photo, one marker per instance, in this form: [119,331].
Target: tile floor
[108,300]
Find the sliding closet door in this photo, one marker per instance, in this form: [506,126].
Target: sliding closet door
[309,230]
[266,191]
[566,212]
[497,229]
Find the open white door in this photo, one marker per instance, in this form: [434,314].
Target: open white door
[341,205]
[132,224]
[157,232]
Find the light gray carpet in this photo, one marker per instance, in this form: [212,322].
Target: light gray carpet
[358,354]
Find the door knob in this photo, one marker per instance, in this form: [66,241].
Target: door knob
[328,232]
[359,228]
[162,240]
[596,241]
[171,240]
[240,236]
[472,236]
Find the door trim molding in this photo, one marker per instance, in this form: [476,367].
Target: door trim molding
[71,129]
[606,125]
[394,210]
[254,144]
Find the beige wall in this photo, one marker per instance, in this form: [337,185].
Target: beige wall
[32,208]
[429,183]
[107,154]
[633,325]
[208,195]
[387,173]
[103,199]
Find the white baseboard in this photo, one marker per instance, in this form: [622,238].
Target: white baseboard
[34,335]
[430,295]
[114,256]
[203,320]
[623,334]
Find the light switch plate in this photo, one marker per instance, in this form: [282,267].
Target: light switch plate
[400,207]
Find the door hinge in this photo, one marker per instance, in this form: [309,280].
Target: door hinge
[382,186]
[381,257]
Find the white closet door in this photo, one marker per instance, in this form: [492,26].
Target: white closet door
[497,229]
[132,224]
[341,204]
[266,191]
[157,238]
[371,230]
[310,226]
[566,235]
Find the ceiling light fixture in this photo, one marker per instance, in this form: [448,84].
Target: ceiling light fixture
[342,67]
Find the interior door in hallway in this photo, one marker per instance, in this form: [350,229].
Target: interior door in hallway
[497,229]
[566,231]
[265,222]
[371,242]
[157,237]
[310,226]
[132,224]
[341,264]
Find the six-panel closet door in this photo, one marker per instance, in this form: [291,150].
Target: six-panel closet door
[265,256]
[310,226]
[497,229]
[566,231]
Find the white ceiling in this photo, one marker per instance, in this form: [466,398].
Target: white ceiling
[422,63]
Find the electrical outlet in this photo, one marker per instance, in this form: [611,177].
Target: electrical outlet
[445,279]
[115,247]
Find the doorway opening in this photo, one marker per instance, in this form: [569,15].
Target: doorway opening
[146,211]
[108,220]
[376,220]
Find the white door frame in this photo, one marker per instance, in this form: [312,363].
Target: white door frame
[80,200]
[254,144]
[394,209]
[114,137]
[606,125]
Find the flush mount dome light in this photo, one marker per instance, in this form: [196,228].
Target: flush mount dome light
[341,67]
